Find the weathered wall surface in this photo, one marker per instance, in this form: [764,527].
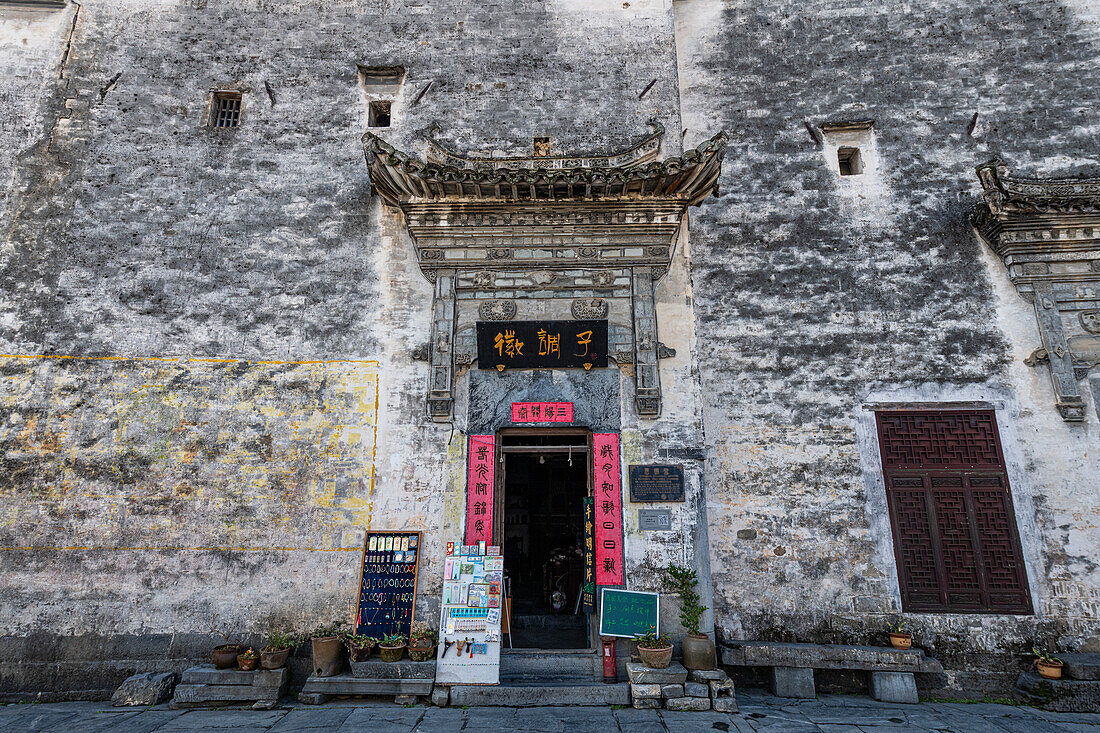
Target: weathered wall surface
[817,295]
[255,263]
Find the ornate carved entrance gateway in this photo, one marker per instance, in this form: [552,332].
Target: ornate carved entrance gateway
[549,237]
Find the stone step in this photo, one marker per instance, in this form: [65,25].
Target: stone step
[1082,666]
[549,665]
[523,695]
[346,684]
[1060,696]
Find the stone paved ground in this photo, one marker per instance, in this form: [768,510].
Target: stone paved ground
[759,712]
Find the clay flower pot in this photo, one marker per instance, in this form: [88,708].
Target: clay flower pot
[247,662]
[656,658]
[225,656]
[900,641]
[327,656]
[698,651]
[1049,670]
[274,660]
[360,653]
[421,652]
[391,653]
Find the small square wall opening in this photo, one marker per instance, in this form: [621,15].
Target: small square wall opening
[225,109]
[379,114]
[542,147]
[851,164]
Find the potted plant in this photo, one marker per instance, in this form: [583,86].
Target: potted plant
[392,647]
[655,651]
[225,655]
[422,642]
[247,660]
[360,646]
[899,637]
[327,651]
[698,649]
[274,655]
[1050,667]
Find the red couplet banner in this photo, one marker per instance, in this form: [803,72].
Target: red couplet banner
[542,412]
[479,490]
[609,509]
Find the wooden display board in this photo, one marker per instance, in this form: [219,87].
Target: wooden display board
[627,613]
[472,606]
[387,583]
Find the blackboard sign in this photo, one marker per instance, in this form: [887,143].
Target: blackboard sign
[541,344]
[627,613]
[656,483]
[387,586]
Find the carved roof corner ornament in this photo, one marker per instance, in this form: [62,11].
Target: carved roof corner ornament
[1047,233]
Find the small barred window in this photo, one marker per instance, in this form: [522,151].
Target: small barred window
[226,110]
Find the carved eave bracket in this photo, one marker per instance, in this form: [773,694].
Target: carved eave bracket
[1047,233]
[544,225]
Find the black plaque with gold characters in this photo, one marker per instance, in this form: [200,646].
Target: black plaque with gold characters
[541,344]
[656,483]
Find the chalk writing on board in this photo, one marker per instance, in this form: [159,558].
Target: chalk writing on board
[627,613]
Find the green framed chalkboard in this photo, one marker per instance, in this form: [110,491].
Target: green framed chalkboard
[627,613]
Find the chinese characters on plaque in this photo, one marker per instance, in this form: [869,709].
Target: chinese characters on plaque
[542,412]
[541,344]
[588,587]
[479,490]
[608,507]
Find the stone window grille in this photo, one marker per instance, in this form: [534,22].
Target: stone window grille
[955,538]
[225,110]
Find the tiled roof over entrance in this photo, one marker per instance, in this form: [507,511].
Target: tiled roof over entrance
[689,178]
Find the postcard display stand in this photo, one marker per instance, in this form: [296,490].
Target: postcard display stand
[469,619]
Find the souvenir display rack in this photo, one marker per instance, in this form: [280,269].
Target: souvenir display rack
[470,615]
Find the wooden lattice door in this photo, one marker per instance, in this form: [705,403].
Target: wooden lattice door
[954,527]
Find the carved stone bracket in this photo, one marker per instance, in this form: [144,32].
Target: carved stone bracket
[647,374]
[1067,393]
[441,367]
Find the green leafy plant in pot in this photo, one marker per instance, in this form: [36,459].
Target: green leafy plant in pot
[360,646]
[422,642]
[392,647]
[655,650]
[697,648]
[328,652]
[1049,666]
[275,653]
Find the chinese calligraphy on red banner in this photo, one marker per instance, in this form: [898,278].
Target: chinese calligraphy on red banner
[609,509]
[479,490]
[542,412]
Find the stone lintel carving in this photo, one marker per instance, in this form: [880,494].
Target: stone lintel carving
[1047,233]
[470,215]
[647,374]
[441,349]
[497,310]
[589,308]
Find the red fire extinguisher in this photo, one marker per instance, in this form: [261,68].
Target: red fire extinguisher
[610,672]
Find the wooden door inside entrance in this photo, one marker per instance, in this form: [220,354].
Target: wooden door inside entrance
[539,512]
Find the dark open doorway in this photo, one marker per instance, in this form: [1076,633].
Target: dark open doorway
[545,482]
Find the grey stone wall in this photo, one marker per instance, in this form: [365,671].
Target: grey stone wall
[816,294]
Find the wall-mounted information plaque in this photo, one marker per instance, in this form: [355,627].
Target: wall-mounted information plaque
[387,586]
[656,483]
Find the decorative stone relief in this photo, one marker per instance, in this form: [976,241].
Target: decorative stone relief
[441,367]
[483,279]
[1047,233]
[603,278]
[497,310]
[664,352]
[500,253]
[588,252]
[589,308]
[647,374]
[543,277]
[432,254]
